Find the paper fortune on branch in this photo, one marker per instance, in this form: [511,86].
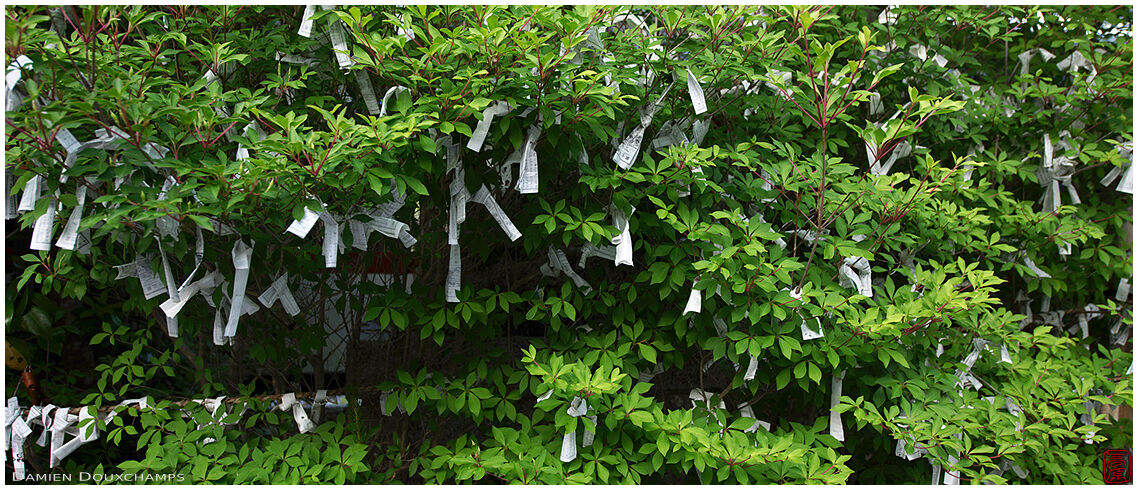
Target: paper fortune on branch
[242,259]
[486,199]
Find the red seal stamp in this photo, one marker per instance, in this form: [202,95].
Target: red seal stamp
[1117,467]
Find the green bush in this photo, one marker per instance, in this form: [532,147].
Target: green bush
[863,261]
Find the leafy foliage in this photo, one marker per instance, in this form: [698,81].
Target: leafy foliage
[758,204]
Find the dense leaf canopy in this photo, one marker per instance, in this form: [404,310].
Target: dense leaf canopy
[577,244]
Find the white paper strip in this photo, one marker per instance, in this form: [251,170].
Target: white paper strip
[219,328]
[339,47]
[629,149]
[11,202]
[587,439]
[862,279]
[454,274]
[45,421]
[140,268]
[306,21]
[606,252]
[42,229]
[699,131]
[242,257]
[31,194]
[20,432]
[720,326]
[836,428]
[367,91]
[623,241]
[69,237]
[12,412]
[171,307]
[171,285]
[695,301]
[152,285]
[408,240]
[808,334]
[887,16]
[752,368]
[171,290]
[453,220]
[484,198]
[951,478]
[289,403]
[875,104]
[331,247]
[558,262]
[1035,269]
[302,226]
[483,127]
[746,411]
[279,290]
[12,77]
[698,102]
[360,233]
[698,395]
[646,376]
[900,451]
[83,430]
[569,446]
[199,254]
[527,172]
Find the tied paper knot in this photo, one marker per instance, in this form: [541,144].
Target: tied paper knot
[776,79]
[1090,312]
[862,279]
[242,260]
[698,395]
[486,199]
[279,290]
[12,77]
[559,264]
[606,252]
[807,332]
[670,134]
[1052,174]
[483,127]
[213,406]
[747,412]
[289,402]
[629,149]
[63,423]
[577,408]
[1126,184]
[17,431]
[622,241]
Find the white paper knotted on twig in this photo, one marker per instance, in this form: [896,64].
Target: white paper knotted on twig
[242,258]
[289,403]
[279,290]
[302,226]
[622,241]
[484,198]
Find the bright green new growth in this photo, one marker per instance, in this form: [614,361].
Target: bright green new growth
[867,175]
